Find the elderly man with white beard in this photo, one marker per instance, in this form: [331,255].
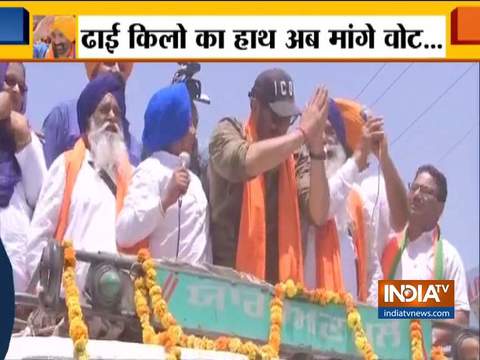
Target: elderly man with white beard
[342,255]
[79,197]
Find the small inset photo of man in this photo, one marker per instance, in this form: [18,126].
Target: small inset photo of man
[54,37]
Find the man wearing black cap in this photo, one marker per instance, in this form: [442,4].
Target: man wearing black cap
[256,194]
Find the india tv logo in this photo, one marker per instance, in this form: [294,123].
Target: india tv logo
[416,299]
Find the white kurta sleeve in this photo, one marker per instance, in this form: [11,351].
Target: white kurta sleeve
[340,185]
[34,170]
[374,269]
[454,270]
[142,208]
[46,214]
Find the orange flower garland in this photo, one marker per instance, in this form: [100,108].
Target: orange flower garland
[78,330]
[173,335]
[416,338]
[325,297]
[437,353]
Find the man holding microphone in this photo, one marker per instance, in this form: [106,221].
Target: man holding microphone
[165,208]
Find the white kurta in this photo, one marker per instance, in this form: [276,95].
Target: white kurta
[142,216]
[15,218]
[417,263]
[91,223]
[341,183]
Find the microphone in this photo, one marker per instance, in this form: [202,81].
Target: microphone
[185,161]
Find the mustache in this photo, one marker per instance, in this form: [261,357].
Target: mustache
[105,127]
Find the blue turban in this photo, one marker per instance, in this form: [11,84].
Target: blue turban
[93,94]
[167,118]
[336,120]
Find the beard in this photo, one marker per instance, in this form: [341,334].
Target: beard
[336,157]
[107,147]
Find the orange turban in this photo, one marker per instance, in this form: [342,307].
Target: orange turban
[92,68]
[351,113]
[66,25]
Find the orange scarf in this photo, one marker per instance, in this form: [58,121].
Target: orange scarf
[251,247]
[51,56]
[327,251]
[73,162]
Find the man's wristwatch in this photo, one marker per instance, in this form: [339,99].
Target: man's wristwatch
[320,156]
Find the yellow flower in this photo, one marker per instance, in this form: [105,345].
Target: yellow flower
[290,288]
[151,273]
[353,318]
[148,264]
[276,317]
[417,355]
[175,333]
[155,290]
[360,342]
[267,352]
[74,311]
[198,343]
[168,320]
[234,344]
[191,341]
[80,345]
[336,298]
[209,344]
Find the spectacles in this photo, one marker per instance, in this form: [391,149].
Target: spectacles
[425,191]
[11,81]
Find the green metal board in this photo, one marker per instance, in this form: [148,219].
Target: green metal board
[216,304]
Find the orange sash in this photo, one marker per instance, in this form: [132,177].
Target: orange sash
[251,246]
[73,163]
[397,243]
[327,251]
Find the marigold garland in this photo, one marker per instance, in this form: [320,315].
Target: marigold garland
[416,342]
[78,330]
[324,297]
[173,337]
[437,353]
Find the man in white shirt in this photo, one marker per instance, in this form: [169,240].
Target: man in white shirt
[80,205]
[22,169]
[422,251]
[166,208]
[341,255]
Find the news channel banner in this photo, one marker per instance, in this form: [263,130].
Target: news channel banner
[290,31]
[270,32]
[416,299]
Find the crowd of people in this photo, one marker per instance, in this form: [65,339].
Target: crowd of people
[287,194]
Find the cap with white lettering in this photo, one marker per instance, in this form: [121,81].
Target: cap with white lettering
[275,88]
